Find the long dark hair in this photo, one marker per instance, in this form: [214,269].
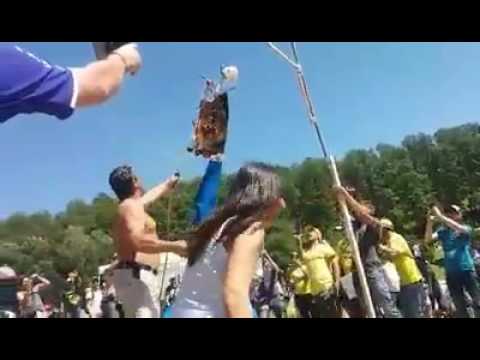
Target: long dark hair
[254,189]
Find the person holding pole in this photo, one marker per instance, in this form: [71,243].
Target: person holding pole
[349,232]
[368,233]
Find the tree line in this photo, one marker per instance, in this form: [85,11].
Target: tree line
[402,181]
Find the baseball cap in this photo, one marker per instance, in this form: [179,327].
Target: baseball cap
[386,224]
[454,208]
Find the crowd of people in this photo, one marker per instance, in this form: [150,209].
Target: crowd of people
[401,282]
[35,296]
[318,283]
[30,297]
[228,272]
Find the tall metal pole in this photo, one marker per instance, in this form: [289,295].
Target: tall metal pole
[347,222]
[165,263]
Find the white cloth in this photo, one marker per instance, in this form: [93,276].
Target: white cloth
[392,277]
[7,273]
[140,298]
[348,286]
[278,289]
[259,270]
[95,304]
[201,292]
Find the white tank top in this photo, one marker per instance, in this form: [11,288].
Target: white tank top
[201,292]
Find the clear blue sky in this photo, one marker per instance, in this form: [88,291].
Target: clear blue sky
[365,93]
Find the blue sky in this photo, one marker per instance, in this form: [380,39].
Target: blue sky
[365,93]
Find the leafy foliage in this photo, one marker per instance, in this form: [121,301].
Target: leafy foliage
[402,181]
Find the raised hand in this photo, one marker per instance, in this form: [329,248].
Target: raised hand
[131,56]
[436,212]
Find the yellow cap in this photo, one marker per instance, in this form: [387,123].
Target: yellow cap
[386,223]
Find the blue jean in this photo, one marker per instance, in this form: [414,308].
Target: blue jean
[459,283]
[380,291]
[412,300]
[206,197]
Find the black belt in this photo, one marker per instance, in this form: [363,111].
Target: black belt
[136,267]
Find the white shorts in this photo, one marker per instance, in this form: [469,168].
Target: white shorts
[140,298]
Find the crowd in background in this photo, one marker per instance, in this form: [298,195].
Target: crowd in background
[320,282]
[401,281]
[76,300]
[25,297]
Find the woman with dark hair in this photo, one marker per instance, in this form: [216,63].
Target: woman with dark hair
[223,251]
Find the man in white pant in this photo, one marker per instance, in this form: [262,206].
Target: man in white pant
[139,293]
[136,240]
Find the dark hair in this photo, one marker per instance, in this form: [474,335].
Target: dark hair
[253,190]
[121,180]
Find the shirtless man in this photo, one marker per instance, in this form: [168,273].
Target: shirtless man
[135,237]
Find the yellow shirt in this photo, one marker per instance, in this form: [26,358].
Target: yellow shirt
[317,261]
[300,281]
[404,262]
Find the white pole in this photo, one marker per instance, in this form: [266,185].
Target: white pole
[347,224]
[333,169]
[165,264]
[282,55]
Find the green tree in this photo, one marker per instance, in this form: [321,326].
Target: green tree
[402,181]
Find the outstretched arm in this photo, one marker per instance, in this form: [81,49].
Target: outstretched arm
[206,197]
[160,190]
[43,282]
[449,222]
[101,79]
[361,212]
[38,86]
